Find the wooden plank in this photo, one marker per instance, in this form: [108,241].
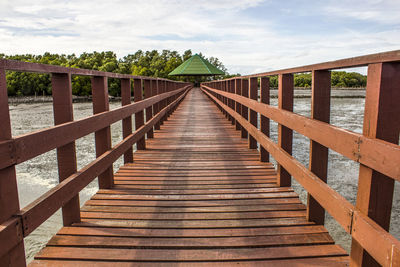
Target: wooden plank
[193,215]
[190,242]
[191,203]
[219,232]
[300,262]
[190,254]
[161,209]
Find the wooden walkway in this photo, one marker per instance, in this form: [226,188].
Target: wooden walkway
[197,196]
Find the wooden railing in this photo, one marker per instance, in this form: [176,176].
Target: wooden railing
[376,150]
[161,96]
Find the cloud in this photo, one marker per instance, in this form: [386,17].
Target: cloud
[247,36]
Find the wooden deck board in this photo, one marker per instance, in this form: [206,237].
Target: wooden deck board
[197,196]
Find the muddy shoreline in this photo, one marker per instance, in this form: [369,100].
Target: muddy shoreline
[298,93]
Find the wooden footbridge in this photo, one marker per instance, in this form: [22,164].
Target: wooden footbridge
[200,190]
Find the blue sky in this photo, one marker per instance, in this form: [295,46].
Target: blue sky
[248,36]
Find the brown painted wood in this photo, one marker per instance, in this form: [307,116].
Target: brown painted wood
[139,116]
[320,110]
[103,136]
[42,208]
[66,155]
[300,262]
[11,253]
[238,106]
[126,94]
[351,220]
[264,121]
[28,146]
[199,191]
[148,92]
[245,109]
[253,94]
[374,153]
[190,254]
[375,190]
[285,134]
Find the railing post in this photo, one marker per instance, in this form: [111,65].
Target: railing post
[238,106]
[139,116]
[381,121]
[264,121]
[103,136]
[156,106]
[285,135]
[66,155]
[320,110]
[232,103]
[162,103]
[253,115]
[126,94]
[9,203]
[245,110]
[149,110]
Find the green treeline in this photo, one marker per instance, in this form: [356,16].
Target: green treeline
[149,63]
[339,79]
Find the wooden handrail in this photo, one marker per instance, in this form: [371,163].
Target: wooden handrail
[25,147]
[352,221]
[354,146]
[19,223]
[376,149]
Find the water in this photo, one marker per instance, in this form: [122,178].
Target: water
[38,175]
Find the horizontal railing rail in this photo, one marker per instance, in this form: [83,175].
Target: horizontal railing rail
[161,97]
[376,149]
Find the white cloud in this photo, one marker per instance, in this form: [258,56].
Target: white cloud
[221,29]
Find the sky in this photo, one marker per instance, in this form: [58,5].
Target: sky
[248,36]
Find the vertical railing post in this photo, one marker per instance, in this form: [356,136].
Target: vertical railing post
[9,202]
[66,155]
[320,110]
[253,92]
[245,110]
[139,116]
[162,103]
[156,106]
[381,121]
[238,106]
[232,102]
[126,94]
[264,121]
[285,135]
[149,110]
[103,136]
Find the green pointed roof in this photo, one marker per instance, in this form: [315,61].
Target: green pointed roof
[196,65]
